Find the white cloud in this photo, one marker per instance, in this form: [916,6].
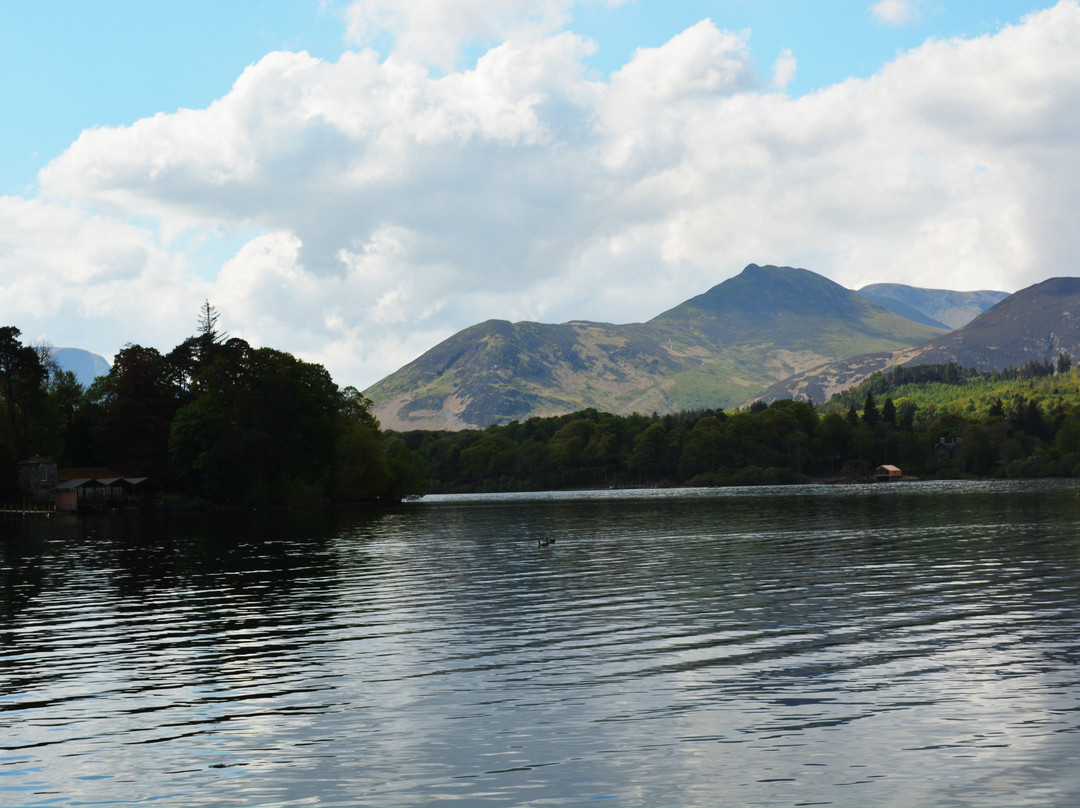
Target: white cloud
[895,12]
[88,281]
[435,31]
[396,206]
[784,69]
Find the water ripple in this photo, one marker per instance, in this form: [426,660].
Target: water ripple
[916,645]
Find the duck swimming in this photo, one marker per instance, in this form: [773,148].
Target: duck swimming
[545,542]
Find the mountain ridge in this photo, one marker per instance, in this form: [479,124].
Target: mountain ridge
[716,349]
[939,307]
[1035,324]
[85,365]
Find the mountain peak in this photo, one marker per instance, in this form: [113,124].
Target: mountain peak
[934,307]
[718,349]
[1035,324]
[760,294]
[1051,286]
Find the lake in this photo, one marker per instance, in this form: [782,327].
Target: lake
[911,644]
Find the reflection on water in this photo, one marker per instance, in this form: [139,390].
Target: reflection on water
[891,645]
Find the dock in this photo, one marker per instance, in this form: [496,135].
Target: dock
[27,511]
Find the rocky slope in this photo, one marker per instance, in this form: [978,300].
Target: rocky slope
[1035,324]
[718,349]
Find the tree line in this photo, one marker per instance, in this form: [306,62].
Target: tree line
[218,421]
[787,441]
[214,420]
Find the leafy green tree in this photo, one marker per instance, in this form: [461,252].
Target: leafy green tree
[289,415]
[980,453]
[355,407]
[361,468]
[65,395]
[408,473]
[138,404]
[708,448]
[568,444]
[604,449]
[193,359]
[208,451]
[833,434]
[491,457]
[22,374]
[853,416]
[649,448]
[864,446]
[888,412]
[870,415]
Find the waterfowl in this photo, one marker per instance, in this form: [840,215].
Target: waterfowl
[545,542]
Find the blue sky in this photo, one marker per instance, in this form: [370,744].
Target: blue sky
[73,65]
[550,160]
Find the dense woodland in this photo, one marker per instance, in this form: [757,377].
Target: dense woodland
[1017,423]
[217,421]
[213,420]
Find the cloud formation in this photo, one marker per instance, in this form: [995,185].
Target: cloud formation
[895,12]
[435,31]
[394,203]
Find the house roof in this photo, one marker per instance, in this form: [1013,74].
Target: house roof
[69,485]
[92,482]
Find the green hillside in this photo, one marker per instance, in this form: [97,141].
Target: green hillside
[933,422]
[718,349]
[937,391]
[1035,324]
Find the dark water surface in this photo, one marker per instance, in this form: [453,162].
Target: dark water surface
[914,644]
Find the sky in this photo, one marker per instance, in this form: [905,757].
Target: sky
[353,182]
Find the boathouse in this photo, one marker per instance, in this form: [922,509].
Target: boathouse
[887,473]
[105,494]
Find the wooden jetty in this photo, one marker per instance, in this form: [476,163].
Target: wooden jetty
[27,510]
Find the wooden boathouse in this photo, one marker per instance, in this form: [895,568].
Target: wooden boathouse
[104,494]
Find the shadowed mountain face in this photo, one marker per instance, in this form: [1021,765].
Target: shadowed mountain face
[85,365]
[1035,324]
[935,307]
[718,349]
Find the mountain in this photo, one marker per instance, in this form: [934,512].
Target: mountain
[941,308]
[718,349]
[85,365]
[1034,324]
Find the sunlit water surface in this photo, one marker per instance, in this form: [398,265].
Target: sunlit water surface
[909,645]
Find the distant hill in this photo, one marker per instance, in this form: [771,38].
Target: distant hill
[85,365]
[718,349]
[1035,324]
[941,308]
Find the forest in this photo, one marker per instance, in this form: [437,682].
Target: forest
[214,421]
[218,422]
[933,422]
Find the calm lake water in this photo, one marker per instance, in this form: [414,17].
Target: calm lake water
[909,645]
